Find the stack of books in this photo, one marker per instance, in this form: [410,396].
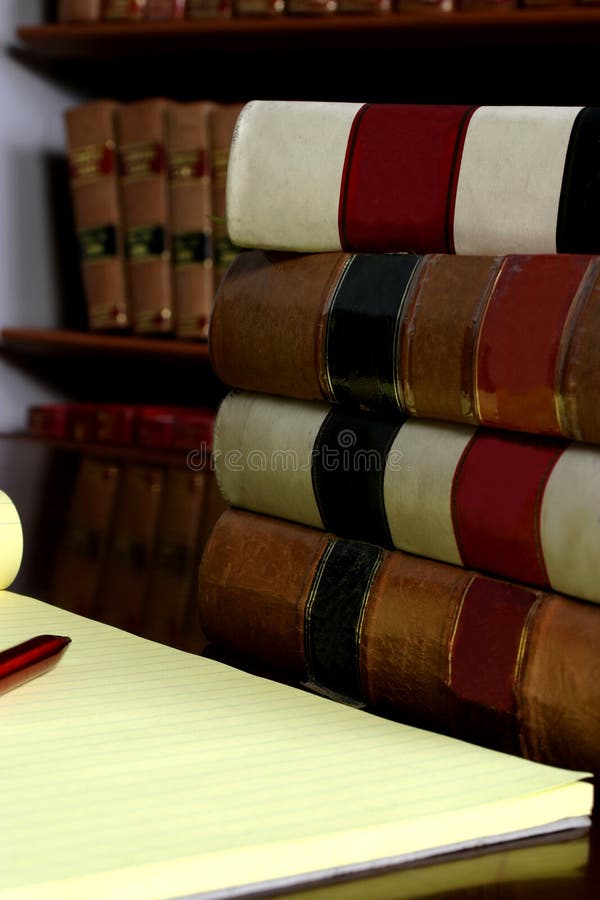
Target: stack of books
[410,450]
[147,182]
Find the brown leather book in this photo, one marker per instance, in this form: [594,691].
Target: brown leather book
[446,649]
[191,216]
[81,553]
[122,588]
[78,10]
[91,140]
[504,341]
[141,130]
[221,124]
[190,507]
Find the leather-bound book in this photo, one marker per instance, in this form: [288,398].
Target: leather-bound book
[90,133]
[172,578]
[373,7]
[221,125]
[78,10]
[122,588]
[145,193]
[523,507]
[450,650]
[507,342]
[49,420]
[120,10]
[324,175]
[191,216]
[81,553]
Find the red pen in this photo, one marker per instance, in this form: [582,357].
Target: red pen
[30,659]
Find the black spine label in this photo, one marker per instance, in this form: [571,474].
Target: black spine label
[334,614]
[361,344]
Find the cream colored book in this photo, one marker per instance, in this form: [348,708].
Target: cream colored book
[133,770]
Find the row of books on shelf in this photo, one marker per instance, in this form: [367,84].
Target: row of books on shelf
[147,183]
[181,10]
[130,425]
[132,538]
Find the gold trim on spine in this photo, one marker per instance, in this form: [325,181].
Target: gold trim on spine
[471,405]
[361,618]
[566,404]
[455,620]
[519,669]
[333,293]
[396,365]
[310,601]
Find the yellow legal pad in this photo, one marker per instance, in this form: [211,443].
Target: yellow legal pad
[132,770]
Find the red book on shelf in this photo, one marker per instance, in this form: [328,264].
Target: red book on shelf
[50,420]
[115,423]
[115,10]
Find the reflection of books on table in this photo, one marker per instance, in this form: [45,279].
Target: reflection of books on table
[155,764]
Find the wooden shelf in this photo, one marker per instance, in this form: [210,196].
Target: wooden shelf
[42,340]
[543,26]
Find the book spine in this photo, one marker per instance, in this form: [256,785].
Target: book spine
[522,507]
[307,176]
[91,137]
[506,342]
[172,573]
[221,124]
[122,589]
[439,647]
[78,10]
[81,552]
[191,216]
[145,192]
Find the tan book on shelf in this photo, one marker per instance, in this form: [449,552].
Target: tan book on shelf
[124,579]
[141,132]
[91,141]
[191,216]
[221,124]
[81,553]
[78,10]
[173,570]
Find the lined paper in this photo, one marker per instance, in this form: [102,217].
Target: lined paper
[137,771]
[11,541]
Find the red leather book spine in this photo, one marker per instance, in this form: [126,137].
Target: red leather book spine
[119,10]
